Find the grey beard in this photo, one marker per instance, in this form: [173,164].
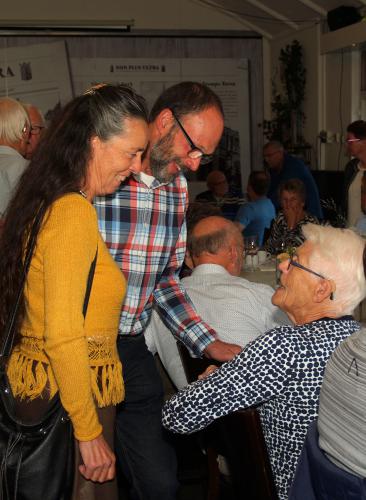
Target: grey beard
[159,169]
[161,156]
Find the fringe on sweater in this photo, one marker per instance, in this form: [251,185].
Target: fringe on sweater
[32,378]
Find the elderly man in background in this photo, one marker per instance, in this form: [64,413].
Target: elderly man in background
[256,216]
[37,125]
[14,133]
[281,371]
[229,303]
[282,167]
[218,194]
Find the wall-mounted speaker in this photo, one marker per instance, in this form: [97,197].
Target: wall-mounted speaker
[342,16]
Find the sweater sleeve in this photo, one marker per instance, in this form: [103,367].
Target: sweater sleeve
[70,243]
[257,374]
[175,306]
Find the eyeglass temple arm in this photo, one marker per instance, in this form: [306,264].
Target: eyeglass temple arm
[192,144]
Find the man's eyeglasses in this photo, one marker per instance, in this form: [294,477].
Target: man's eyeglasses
[195,153]
[350,141]
[268,155]
[25,130]
[294,263]
[36,129]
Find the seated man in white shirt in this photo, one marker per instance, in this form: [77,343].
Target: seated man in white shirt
[236,308]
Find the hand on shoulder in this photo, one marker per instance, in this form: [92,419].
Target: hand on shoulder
[221,351]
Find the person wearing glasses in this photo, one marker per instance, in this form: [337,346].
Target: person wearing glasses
[286,229]
[281,371]
[283,166]
[218,194]
[14,133]
[143,224]
[354,170]
[37,126]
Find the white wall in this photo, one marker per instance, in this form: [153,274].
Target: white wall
[148,14]
[338,106]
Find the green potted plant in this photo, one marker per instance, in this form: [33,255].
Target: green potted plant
[287,104]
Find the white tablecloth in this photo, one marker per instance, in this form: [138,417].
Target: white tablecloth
[264,274]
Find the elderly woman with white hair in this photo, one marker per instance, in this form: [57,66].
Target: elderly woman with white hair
[282,370]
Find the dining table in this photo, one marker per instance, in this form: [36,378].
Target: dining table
[261,273]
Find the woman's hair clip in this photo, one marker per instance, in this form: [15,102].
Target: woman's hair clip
[92,90]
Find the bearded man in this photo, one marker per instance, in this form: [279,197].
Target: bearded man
[143,225]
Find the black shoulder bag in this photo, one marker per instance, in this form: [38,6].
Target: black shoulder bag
[37,459]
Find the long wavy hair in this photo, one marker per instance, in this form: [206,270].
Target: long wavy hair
[59,166]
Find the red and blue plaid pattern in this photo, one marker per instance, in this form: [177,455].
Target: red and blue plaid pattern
[145,231]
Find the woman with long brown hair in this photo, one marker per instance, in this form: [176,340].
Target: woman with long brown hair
[91,147]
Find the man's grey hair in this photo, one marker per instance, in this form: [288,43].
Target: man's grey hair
[13,119]
[277,145]
[29,107]
[338,255]
[212,242]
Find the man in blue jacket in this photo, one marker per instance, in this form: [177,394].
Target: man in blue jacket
[283,166]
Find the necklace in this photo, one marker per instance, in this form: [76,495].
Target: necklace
[82,193]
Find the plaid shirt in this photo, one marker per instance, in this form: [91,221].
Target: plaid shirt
[145,231]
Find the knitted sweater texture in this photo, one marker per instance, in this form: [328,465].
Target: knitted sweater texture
[58,349]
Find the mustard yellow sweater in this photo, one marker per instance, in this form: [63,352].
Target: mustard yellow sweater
[57,349]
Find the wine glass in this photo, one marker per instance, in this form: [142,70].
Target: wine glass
[281,247]
[251,247]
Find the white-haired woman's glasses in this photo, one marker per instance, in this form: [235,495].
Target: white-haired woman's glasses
[294,263]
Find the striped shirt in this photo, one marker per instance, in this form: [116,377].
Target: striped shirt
[143,225]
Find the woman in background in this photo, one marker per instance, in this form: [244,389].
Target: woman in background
[286,230]
[91,147]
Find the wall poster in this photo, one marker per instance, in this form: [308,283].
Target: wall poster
[36,74]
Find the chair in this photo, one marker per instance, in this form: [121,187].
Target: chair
[241,441]
[317,478]
[239,438]
[193,366]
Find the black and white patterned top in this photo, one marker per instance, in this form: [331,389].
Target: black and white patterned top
[281,236]
[281,371]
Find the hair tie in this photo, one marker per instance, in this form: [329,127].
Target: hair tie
[92,90]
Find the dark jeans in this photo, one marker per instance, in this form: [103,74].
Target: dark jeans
[145,456]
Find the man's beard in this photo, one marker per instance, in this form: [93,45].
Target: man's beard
[161,156]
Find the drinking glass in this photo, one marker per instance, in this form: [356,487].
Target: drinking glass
[281,247]
[251,248]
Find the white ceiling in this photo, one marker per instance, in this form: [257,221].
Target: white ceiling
[276,18]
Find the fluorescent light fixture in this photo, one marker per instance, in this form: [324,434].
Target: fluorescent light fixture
[65,28]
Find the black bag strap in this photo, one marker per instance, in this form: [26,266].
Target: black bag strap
[9,336]
[89,283]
